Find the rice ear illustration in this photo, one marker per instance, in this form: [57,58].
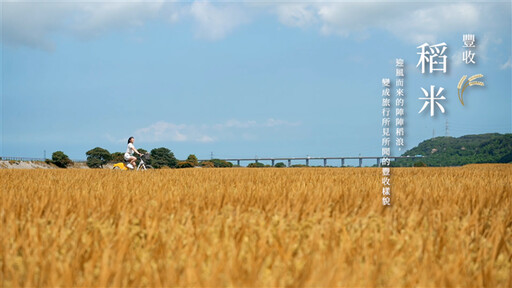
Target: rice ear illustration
[463,84]
[461,81]
[478,83]
[475,77]
[458,88]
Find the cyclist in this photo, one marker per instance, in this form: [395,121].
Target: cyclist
[128,156]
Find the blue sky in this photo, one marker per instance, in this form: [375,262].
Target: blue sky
[241,79]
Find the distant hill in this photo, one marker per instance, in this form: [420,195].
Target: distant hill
[450,151]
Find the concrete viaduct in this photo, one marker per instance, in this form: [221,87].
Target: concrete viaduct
[307,159]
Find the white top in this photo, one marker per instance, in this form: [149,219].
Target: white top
[130,149]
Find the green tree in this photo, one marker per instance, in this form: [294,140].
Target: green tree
[506,159]
[419,164]
[192,159]
[97,157]
[299,165]
[161,157]
[280,165]
[256,165]
[206,164]
[117,157]
[221,163]
[184,164]
[61,160]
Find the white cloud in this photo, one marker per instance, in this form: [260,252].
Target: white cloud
[233,123]
[409,21]
[232,129]
[271,122]
[506,65]
[456,57]
[216,21]
[96,18]
[164,131]
[346,18]
[296,15]
[33,23]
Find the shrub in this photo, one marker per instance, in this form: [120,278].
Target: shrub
[184,164]
[98,157]
[419,164]
[280,165]
[207,164]
[299,165]
[61,160]
[256,165]
[221,163]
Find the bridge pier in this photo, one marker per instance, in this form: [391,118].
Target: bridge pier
[307,161]
[325,162]
[289,162]
[360,162]
[342,162]
[238,162]
[273,161]
[378,162]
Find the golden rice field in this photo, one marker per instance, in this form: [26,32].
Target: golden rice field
[321,227]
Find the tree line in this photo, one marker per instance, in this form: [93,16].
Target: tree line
[159,158]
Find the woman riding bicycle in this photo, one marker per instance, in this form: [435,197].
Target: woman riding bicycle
[128,156]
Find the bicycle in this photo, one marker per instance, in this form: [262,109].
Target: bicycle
[142,164]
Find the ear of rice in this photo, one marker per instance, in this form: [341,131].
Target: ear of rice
[475,77]
[461,81]
[478,83]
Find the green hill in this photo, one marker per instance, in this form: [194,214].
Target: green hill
[450,151]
